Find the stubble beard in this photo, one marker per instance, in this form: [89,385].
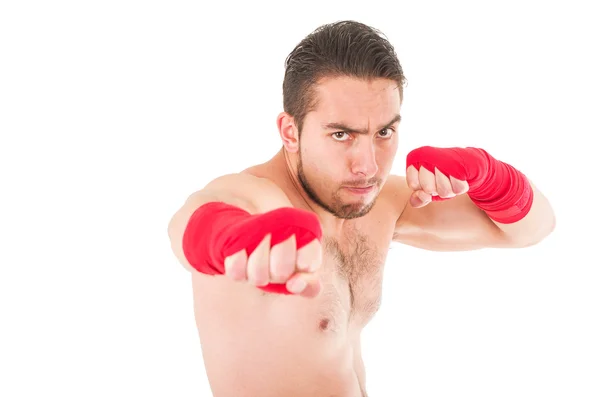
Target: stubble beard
[336,207]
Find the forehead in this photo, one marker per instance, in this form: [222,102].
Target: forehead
[346,97]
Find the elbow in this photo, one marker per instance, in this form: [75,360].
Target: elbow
[545,220]
[546,228]
[531,237]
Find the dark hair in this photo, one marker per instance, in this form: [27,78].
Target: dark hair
[343,48]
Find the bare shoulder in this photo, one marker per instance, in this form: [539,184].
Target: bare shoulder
[260,193]
[396,192]
[251,193]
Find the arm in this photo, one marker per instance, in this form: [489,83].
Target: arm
[255,195]
[251,344]
[461,220]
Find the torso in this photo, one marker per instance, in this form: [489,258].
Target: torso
[352,274]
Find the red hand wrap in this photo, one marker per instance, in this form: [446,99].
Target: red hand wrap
[499,189]
[217,230]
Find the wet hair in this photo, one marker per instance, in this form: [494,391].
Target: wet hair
[343,48]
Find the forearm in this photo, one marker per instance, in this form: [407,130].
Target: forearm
[537,223]
[501,207]
[511,200]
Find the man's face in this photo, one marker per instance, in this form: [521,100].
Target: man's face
[349,141]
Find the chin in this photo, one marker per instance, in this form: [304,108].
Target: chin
[354,210]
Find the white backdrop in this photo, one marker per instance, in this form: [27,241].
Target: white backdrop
[113,112]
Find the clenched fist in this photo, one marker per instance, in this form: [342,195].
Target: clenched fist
[441,173]
[498,188]
[282,264]
[278,251]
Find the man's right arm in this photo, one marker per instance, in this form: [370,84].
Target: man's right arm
[250,193]
[251,345]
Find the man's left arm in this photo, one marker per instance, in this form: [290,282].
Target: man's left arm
[464,199]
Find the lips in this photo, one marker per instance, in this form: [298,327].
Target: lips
[361,190]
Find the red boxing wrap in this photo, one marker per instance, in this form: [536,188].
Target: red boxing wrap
[499,189]
[217,230]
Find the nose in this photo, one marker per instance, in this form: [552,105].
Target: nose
[364,161]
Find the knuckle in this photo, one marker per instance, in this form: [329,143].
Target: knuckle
[459,186]
[282,269]
[302,264]
[445,191]
[413,184]
[423,196]
[235,267]
[427,182]
[463,187]
[412,178]
[258,271]
[311,266]
[260,280]
[456,191]
[428,187]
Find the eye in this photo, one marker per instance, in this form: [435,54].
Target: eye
[387,133]
[338,136]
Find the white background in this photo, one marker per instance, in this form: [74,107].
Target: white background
[112,112]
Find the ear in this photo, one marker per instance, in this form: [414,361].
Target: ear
[288,131]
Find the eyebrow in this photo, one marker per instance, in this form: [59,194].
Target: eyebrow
[362,131]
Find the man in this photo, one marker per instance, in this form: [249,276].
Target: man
[286,256]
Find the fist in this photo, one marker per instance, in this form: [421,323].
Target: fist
[429,174]
[284,264]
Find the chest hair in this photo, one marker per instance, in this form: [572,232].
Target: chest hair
[358,261]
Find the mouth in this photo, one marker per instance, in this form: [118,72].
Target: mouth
[361,190]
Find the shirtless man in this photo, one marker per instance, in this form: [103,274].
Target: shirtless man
[287,256]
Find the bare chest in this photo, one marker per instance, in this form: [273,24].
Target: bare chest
[353,264]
